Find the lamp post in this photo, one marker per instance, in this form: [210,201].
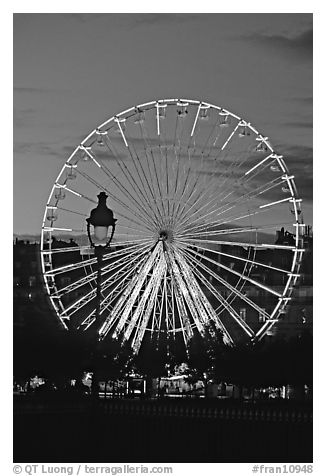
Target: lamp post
[101,218]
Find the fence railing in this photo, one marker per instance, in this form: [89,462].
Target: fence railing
[182,409]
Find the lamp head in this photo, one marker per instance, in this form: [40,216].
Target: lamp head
[101,218]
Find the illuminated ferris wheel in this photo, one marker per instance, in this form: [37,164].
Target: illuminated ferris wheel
[209,227]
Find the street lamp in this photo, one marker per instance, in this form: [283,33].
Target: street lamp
[101,218]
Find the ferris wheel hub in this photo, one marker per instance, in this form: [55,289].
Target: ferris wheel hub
[166,235]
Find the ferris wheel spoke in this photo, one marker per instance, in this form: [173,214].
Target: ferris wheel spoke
[169,305]
[242,244]
[200,196]
[140,191]
[186,184]
[111,296]
[224,302]
[186,329]
[235,164]
[136,189]
[135,293]
[126,258]
[145,305]
[243,181]
[198,264]
[258,191]
[140,211]
[50,251]
[118,285]
[158,182]
[177,152]
[194,223]
[208,231]
[246,260]
[150,179]
[91,295]
[273,156]
[269,323]
[138,230]
[194,189]
[142,225]
[70,267]
[133,241]
[197,318]
[61,229]
[215,127]
[159,179]
[175,188]
[177,124]
[129,296]
[167,181]
[90,261]
[113,197]
[141,328]
[205,310]
[231,135]
[279,181]
[127,249]
[230,205]
[159,307]
[147,148]
[74,192]
[129,237]
[264,330]
[227,174]
[246,278]
[234,167]
[179,190]
[185,324]
[203,226]
[71,211]
[227,307]
[148,199]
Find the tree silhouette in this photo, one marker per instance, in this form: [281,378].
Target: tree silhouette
[206,355]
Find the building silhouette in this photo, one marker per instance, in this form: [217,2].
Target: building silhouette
[32,307]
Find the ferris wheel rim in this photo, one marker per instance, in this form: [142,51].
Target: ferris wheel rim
[296,248]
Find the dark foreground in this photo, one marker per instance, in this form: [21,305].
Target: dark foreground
[161,431]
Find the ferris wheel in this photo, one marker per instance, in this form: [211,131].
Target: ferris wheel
[209,227]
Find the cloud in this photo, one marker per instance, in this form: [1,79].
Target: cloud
[299,46]
[155,19]
[129,21]
[305,100]
[36,148]
[82,17]
[30,90]
[23,116]
[34,90]
[300,125]
[299,160]
[298,155]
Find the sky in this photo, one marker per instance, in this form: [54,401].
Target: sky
[73,71]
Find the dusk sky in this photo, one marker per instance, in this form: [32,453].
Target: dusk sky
[73,71]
